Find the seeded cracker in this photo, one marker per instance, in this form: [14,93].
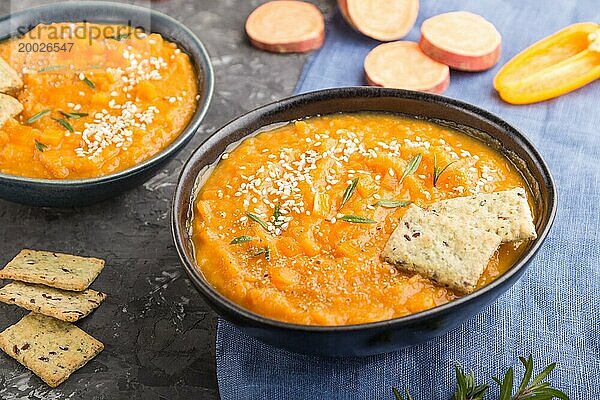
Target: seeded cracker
[440,248]
[505,213]
[50,348]
[62,271]
[57,303]
[9,78]
[9,107]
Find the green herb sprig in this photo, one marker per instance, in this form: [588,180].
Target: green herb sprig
[257,219]
[529,389]
[119,37]
[393,203]
[51,68]
[412,166]
[37,116]
[65,124]
[40,146]
[265,251]
[349,191]
[88,82]
[356,219]
[467,389]
[74,115]
[399,396]
[437,171]
[242,239]
[276,215]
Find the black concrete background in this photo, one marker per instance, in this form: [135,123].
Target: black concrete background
[158,333]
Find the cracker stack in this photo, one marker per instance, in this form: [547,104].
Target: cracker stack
[453,241]
[54,287]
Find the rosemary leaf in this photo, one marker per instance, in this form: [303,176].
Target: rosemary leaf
[349,191]
[265,251]
[120,36]
[356,219]
[398,395]
[538,388]
[507,385]
[242,239]
[276,216]
[51,68]
[40,146]
[65,124]
[393,203]
[257,219]
[528,364]
[466,389]
[412,166]
[37,116]
[74,115]
[437,171]
[88,82]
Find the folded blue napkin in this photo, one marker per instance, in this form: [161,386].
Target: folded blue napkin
[552,312]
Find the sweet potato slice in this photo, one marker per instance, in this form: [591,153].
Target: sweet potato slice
[286,26]
[403,65]
[461,40]
[384,20]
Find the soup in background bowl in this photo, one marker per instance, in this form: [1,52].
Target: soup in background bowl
[98,114]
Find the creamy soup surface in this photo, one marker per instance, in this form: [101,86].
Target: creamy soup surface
[278,197]
[93,106]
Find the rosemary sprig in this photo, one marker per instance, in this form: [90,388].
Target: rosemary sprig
[37,116]
[51,68]
[257,219]
[412,166]
[65,124]
[399,396]
[538,388]
[74,115]
[393,203]
[119,37]
[466,389]
[242,239]
[437,171]
[265,251]
[276,215]
[529,389]
[88,82]
[349,191]
[40,146]
[356,219]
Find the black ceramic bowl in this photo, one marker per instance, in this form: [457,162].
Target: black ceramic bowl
[384,336]
[47,192]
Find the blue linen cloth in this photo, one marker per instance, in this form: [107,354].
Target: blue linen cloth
[552,312]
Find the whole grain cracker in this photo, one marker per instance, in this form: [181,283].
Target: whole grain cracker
[9,107]
[440,248]
[61,304]
[62,271]
[505,213]
[50,348]
[9,78]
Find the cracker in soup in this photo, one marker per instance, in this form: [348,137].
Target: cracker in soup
[505,213]
[440,248]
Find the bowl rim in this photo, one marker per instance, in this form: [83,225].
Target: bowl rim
[203,66]
[209,291]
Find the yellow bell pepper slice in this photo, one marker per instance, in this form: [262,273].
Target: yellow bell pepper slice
[558,64]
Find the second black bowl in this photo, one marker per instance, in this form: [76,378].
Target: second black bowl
[60,193]
[376,337]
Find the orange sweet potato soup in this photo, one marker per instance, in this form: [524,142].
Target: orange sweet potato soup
[93,106]
[271,233]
